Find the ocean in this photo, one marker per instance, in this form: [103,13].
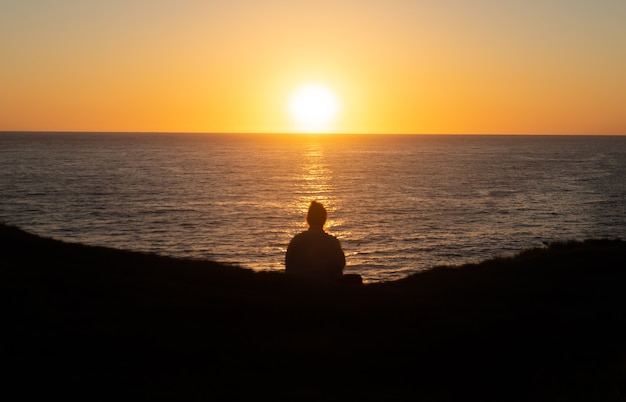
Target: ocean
[398,203]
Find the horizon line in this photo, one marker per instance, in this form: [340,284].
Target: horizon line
[302,134]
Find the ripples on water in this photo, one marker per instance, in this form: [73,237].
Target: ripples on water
[399,204]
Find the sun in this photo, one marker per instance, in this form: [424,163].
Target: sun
[314,108]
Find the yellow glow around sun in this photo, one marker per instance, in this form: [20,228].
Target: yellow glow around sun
[314,108]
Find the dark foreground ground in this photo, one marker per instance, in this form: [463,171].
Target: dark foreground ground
[94,323]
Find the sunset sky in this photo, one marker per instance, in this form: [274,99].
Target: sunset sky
[395,66]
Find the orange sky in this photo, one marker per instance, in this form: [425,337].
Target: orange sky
[450,66]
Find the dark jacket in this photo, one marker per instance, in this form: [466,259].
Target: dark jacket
[315,254]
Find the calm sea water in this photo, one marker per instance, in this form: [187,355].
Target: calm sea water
[399,204]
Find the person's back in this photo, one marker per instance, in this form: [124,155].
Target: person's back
[315,254]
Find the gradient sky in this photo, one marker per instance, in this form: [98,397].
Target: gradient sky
[398,66]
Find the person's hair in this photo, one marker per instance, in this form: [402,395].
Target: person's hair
[316,215]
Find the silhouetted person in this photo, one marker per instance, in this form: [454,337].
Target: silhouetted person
[315,254]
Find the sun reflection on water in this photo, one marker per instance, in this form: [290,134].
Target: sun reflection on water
[316,179]
[316,182]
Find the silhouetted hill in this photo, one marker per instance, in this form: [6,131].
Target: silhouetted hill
[91,323]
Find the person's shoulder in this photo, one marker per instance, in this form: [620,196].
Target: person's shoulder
[298,237]
[332,236]
[325,235]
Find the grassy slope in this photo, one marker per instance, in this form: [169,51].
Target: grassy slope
[83,321]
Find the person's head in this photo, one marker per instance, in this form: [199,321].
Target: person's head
[316,216]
